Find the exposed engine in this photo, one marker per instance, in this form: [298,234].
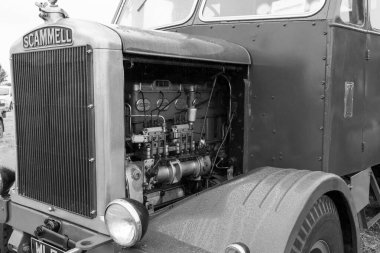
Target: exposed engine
[177,137]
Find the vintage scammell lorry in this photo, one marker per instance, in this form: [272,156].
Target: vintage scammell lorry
[196,126]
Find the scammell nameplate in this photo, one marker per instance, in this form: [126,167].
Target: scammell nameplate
[48,37]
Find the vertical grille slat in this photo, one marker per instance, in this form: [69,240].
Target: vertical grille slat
[55,128]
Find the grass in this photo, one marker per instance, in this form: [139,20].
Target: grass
[371,239]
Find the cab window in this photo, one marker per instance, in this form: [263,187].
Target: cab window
[352,12]
[228,9]
[375,14]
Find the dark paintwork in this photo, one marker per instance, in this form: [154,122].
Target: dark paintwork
[180,46]
[286,110]
[345,154]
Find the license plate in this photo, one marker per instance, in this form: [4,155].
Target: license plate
[41,247]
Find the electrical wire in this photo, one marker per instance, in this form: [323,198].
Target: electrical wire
[208,105]
[221,145]
[166,106]
[210,98]
[157,108]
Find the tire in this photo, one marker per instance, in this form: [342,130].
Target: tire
[320,231]
[5,234]
[1,129]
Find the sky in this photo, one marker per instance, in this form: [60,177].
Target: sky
[19,17]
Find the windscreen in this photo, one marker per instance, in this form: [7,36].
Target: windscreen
[156,13]
[260,8]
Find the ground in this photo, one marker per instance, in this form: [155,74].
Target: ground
[370,238]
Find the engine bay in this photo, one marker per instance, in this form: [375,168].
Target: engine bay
[179,123]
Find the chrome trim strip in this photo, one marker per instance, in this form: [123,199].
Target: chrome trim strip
[255,17]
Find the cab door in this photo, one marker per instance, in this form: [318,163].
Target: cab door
[349,38]
[371,129]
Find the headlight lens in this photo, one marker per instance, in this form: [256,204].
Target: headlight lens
[126,221]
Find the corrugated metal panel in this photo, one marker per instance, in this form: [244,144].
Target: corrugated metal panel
[55,128]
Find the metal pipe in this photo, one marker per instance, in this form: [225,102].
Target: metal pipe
[176,170]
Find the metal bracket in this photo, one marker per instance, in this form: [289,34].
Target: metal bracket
[372,184]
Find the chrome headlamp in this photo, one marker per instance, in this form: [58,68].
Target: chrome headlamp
[237,248]
[126,221]
[7,178]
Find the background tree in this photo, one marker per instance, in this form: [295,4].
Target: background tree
[3,75]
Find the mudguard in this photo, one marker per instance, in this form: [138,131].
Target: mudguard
[260,209]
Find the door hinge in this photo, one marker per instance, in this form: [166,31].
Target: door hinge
[368,54]
[363,146]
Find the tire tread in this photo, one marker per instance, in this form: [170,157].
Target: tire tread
[321,207]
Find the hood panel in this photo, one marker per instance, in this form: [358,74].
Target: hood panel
[180,46]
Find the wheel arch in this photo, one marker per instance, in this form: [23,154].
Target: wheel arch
[347,220]
[253,209]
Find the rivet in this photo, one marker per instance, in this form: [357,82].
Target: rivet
[272,97]
[320,158]
[324,58]
[314,24]
[51,209]
[91,160]
[93,212]
[89,51]
[252,155]
[273,158]
[233,26]
[274,131]
[258,25]
[323,82]
[90,106]
[322,97]
[321,128]
[325,33]
[284,25]
[211,27]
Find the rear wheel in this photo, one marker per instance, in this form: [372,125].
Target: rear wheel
[320,232]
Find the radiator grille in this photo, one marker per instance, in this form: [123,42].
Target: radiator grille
[53,92]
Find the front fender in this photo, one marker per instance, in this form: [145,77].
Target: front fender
[259,209]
